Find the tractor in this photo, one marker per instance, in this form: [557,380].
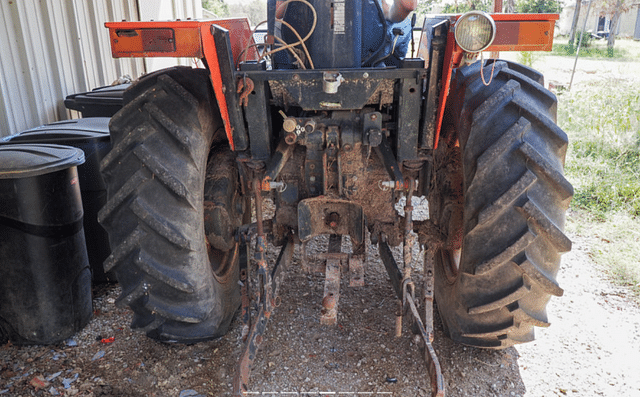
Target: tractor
[338,113]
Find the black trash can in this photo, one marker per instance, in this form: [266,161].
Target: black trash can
[92,136]
[45,279]
[100,102]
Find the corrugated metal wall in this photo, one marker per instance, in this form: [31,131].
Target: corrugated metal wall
[50,49]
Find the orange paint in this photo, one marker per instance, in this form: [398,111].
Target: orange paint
[514,32]
[211,55]
[128,38]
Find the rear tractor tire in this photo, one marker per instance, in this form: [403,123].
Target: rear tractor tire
[499,195]
[172,207]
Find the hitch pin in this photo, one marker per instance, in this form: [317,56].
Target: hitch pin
[396,185]
[273,185]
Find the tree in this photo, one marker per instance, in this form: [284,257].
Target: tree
[574,24]
[255,10]
[468,5]
[425,6]
[614,8]
[538,6]
[218,7]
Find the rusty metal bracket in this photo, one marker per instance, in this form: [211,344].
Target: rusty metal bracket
[268,285]
[331,297]
[428,291]
[404,292]
[385,153]
[259,324]
[245,290]
[437,380]
[356,270]
[323,215]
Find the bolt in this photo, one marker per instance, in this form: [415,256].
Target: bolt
[374,117]
[289,124]
[310,126]
[329,302]
[365,75]
[296,77]
[291,138]
[347,147]
[333,220]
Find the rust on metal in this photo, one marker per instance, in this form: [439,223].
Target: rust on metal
[313,214]
[429,283]
[259,324]
[245,88]
[329,315]
[435,372]
[399,316]
[406,298]
[356,270]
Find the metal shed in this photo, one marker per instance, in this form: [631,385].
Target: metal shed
[54,48]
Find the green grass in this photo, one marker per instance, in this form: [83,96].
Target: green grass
[594,49]
[603,163]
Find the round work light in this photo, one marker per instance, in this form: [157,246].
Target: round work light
[475,31]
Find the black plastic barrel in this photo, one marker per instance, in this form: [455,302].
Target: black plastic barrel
[100,102]
[45,279]
[92,136]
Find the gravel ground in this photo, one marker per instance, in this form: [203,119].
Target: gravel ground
[591,349]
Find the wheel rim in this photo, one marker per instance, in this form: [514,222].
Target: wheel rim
[447,206]
[222,262]
[449,260]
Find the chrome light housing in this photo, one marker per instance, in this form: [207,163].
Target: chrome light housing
[475,31]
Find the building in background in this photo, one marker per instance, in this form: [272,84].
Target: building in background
[599,21]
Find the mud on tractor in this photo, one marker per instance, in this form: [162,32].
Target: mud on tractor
[339,112]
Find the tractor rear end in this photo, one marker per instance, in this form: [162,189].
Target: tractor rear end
[333,121]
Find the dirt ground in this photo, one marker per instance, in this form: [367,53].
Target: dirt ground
[591,349]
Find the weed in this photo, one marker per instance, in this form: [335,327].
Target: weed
[603,163]
[592,48]
[528,57]
[590,52]
[583,38]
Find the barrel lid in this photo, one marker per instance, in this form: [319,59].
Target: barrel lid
[66,132]
[108,95]
[24,161]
